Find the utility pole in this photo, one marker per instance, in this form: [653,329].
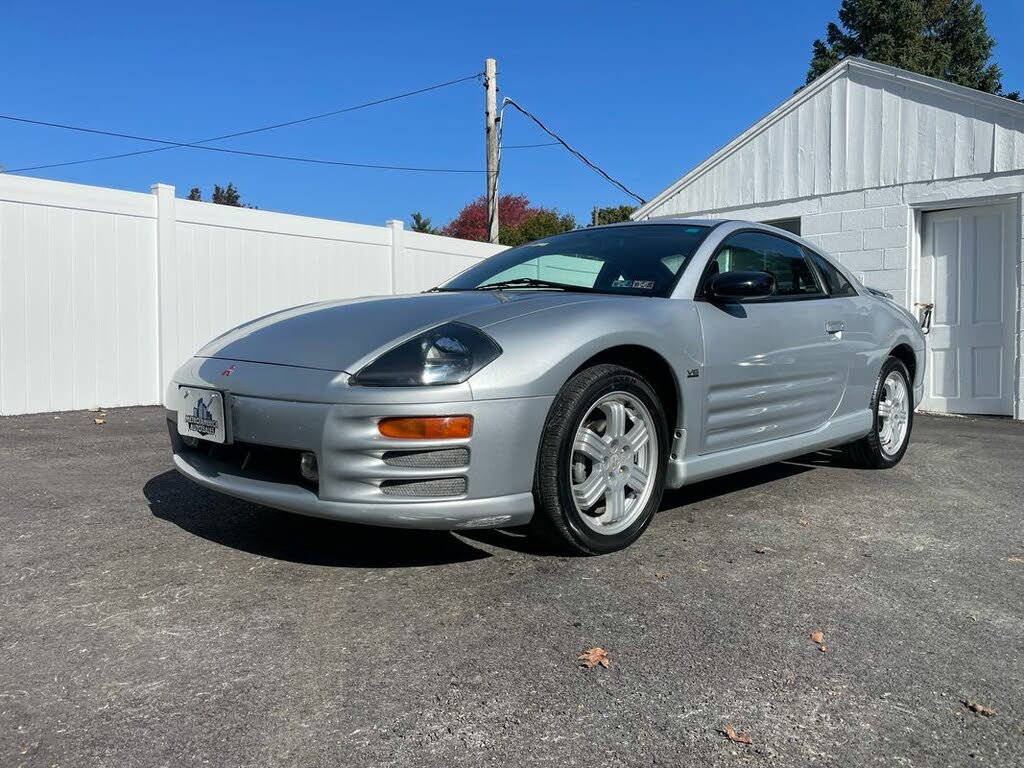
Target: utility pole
[491,118]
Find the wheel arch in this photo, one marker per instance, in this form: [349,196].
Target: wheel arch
[905,354]
[652,366]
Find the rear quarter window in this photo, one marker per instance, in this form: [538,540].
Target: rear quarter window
[835,282]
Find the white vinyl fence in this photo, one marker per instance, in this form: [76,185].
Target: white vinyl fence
[103,293]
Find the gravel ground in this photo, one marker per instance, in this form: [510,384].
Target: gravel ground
[147,622]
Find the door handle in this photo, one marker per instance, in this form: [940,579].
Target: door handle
[835,326]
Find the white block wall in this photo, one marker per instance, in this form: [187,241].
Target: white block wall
[867,232]
[103,293]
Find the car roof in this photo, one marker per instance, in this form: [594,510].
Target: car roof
[666,220]
[711,224]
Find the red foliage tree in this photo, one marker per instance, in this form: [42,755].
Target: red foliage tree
[471,223]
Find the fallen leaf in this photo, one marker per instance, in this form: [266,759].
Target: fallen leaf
[805,521]
[761,550]
[731,734]
[661,576]
[818,637]
[99,421]
[591,658]
[981,709]
[24,749]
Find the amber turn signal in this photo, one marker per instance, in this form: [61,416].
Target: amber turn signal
[427,427]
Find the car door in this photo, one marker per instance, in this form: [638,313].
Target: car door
[861,336]
[774,366]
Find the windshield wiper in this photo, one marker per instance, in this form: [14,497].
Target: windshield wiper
[531,282]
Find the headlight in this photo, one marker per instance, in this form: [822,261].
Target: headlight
[448,354]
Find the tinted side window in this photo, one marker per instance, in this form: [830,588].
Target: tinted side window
[761,252]
[837,284]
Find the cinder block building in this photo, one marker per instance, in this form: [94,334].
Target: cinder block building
[913,183]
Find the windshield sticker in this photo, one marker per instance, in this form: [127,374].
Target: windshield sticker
[646,285]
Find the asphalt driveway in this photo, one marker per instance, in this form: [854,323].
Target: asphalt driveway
[147,622]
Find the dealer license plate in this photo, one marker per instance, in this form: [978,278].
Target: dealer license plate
[201,414]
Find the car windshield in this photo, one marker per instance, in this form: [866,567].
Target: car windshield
[640,260]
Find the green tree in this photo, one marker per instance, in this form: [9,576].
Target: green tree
[228,195]
[421,223]
[947,39]
[611,214]
[540,223]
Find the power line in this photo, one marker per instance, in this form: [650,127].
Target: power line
[575,152]
[267,155]
[310,118]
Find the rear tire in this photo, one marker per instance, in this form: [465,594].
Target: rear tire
[601,465]
[892,405]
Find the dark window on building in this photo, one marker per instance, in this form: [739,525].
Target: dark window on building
[790,225]
[837,284]
[761,252]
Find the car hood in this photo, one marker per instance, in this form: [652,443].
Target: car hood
[342,335]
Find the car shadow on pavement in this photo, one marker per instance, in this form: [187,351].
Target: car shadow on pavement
[296,538]
[740,481]
[314,541]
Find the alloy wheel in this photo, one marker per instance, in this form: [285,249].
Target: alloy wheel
[893,413]
[613,463]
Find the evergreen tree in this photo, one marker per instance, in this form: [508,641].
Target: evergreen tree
[946,39]
[228,195]
[421,223]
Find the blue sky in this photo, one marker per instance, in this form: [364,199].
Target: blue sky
[647,90]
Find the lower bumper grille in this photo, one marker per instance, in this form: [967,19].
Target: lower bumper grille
[444,458]
[441,486]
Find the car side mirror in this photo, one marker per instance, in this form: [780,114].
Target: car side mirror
[742,285]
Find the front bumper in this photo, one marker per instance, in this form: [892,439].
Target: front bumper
[483,481]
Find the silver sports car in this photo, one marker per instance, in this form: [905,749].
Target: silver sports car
[563,384]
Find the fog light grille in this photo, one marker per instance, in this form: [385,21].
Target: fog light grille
[441,459]
[441,486]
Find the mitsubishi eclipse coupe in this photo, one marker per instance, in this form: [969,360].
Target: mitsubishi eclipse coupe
[560,385]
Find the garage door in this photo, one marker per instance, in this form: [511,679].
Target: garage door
[966,270]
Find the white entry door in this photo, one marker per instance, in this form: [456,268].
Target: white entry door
[966,271]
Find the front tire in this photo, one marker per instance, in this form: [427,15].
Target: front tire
[892,405]
[601,465]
